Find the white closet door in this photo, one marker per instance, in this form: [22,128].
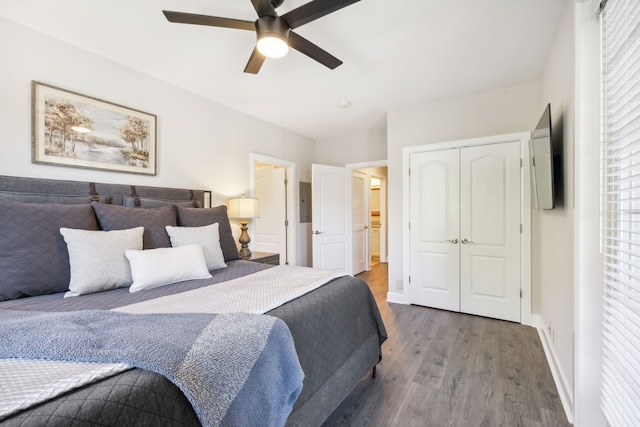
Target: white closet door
[434,210]
[490,230]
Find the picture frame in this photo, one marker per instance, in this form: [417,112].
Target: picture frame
[74,130]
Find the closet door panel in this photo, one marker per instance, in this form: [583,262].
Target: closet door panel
[493,271]
[434,216]
[490,230]
[486,204]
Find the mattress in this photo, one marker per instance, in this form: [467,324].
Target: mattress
[337,331]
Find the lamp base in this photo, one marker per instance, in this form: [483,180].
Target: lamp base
[244,240]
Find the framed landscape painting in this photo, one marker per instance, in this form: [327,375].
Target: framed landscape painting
[70,129]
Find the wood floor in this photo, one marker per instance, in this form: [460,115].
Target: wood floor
[441,368]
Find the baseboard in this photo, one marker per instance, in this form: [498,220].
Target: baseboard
[565,389]
[396,297]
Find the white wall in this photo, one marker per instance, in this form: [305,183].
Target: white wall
[201,144]
[366,146]
[589,272]
[508,110]
[553,230]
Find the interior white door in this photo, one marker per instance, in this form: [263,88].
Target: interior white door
[270,228]
[490,230]
[360,222]
[330,218]
[434,216]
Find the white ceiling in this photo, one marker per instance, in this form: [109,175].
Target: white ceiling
[395,53]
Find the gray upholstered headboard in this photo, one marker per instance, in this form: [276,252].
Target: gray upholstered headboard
[38,190]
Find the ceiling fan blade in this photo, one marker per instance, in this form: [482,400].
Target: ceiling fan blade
[314,10]
[303,45]
[263,7]
[212,21]
[255,62]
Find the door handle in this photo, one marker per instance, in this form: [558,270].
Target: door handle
[466,242]
[454,241]
[318,232]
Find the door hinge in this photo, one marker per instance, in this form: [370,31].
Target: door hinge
[286,222]
[521,162]
[520,293]
[286,181]
[409,171]
[409,226]
[409,279]
[521,228]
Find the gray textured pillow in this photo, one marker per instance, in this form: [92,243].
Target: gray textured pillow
[206,236]
[154,221]
[61,199]
[33,256]
[193,217]
[97,259]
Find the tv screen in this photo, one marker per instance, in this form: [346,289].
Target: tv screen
[541,163]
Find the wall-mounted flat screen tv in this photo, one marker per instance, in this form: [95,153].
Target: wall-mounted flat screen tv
[541,163]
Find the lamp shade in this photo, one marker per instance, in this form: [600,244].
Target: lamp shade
[244,208]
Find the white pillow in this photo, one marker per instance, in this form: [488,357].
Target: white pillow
[207,236]
[96,258]
[162,266]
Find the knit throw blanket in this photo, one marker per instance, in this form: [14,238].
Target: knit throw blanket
[235,369]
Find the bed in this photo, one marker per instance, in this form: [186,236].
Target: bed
[334,327]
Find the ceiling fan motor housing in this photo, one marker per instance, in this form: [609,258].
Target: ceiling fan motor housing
[272,26]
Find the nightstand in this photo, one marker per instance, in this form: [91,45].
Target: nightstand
[264,258]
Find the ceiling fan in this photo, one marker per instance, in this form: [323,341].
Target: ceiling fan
[273,32]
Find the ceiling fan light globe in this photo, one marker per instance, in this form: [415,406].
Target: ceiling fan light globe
[272,46]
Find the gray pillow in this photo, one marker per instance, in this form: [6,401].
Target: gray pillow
[33,256]
[193,217]
[97,259]
[61,199]
[145,202]
[154,221]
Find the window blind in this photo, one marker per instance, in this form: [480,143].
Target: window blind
[621,211]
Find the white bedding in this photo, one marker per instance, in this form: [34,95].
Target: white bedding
[24,383]
[256,293]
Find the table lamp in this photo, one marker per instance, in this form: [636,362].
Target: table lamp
[243,208]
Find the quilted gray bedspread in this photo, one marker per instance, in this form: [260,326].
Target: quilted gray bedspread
[139,397]
[235,369]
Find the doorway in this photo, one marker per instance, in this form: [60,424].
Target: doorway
[271,182]
[374,241]
[334,245]
[378,218]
